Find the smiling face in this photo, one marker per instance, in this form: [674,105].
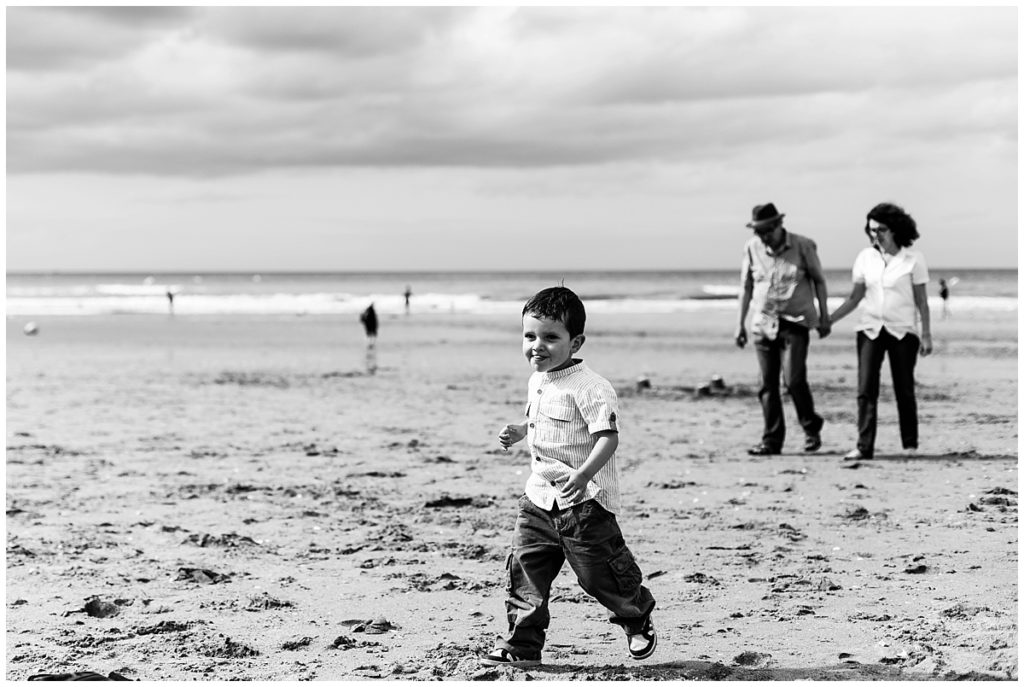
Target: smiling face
[547,344]
[882,237]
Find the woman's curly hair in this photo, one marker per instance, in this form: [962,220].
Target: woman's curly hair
[903,226]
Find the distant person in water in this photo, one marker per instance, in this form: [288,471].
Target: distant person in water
[782,278]
[944,295]
[170,301]
[408,295]
[369,319]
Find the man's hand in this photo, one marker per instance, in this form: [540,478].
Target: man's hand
[741,336]
[510,435]
[824,329]
[575,487]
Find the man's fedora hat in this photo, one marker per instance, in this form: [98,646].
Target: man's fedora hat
[764,215]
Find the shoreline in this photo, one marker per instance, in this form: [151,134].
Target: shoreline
[433,304]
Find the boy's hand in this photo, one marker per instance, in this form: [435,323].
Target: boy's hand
[510,435]
[575,487]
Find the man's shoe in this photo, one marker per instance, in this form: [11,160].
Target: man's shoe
[642,645]
[857,454]
[812,443]
[763,449]
[500,656]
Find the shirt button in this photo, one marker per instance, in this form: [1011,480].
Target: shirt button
[540,391]
[552,482]
[531,424]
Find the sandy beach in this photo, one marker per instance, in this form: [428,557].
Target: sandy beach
[201,498]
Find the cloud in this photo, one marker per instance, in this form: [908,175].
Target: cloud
[52,39]
[350,32]
[221,91]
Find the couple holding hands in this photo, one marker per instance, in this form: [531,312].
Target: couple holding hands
[782,279]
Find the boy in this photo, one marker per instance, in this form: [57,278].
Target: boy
[572,494]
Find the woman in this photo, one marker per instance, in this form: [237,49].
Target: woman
[891,281]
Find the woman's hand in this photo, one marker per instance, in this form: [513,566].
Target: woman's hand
[926,344]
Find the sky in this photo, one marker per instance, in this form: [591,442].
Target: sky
[263,138]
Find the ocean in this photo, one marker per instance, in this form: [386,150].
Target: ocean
[277,293]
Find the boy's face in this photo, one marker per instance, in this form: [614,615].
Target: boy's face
[547,344]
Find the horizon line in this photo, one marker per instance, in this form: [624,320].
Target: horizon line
[71,272]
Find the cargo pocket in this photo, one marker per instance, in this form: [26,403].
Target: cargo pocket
[508,574]
[626,572]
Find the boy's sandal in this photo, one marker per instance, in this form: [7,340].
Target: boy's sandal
[503,657]
[642,645]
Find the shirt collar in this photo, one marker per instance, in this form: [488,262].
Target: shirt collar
[577,365]
[898,255]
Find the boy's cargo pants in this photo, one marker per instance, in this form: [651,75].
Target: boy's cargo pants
[587,536]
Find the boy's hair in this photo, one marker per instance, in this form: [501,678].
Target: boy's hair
[558,303]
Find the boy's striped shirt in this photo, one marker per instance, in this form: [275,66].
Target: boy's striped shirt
[565,408]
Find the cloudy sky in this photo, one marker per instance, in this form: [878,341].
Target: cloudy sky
[388,138]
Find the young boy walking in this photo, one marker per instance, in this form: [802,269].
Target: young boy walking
[572,494]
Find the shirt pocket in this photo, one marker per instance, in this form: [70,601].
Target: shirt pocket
[788,276]
[554,420]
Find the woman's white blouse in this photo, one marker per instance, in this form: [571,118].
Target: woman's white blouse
[889,291]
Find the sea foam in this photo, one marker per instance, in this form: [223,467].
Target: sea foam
[154,301]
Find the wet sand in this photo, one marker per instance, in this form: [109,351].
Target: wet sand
[199,499]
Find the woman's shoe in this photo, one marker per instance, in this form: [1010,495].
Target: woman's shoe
[763,449]
[642,645]
[857,454]
[812,443]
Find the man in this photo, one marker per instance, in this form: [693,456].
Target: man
[782,277]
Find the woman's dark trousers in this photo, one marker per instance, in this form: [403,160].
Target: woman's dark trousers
[902,359]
